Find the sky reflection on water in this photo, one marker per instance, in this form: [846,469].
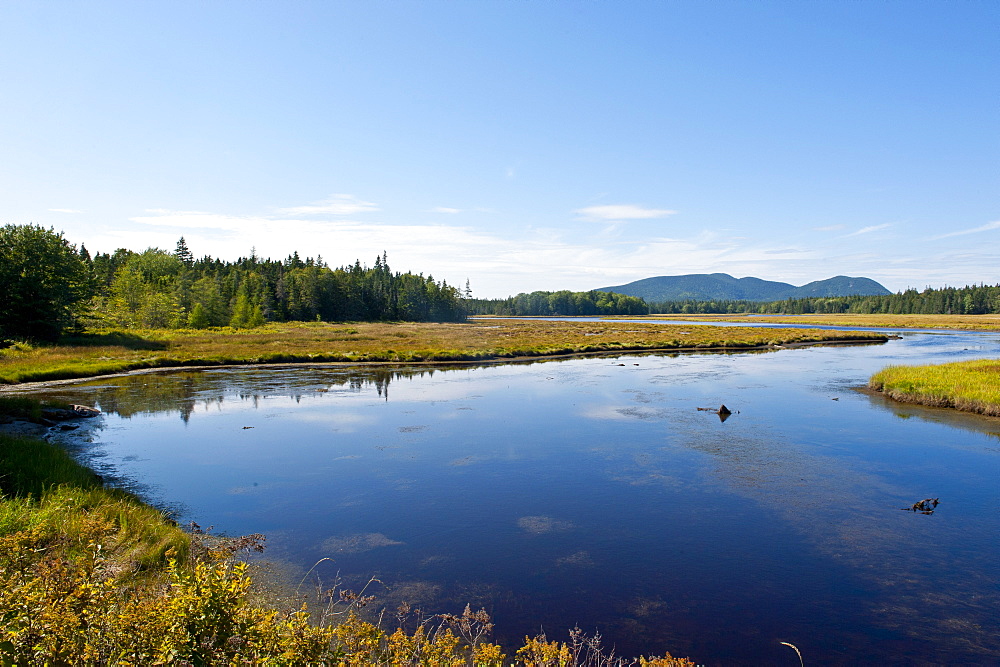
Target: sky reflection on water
[588,492]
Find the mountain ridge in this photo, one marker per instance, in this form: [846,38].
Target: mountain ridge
[724,287]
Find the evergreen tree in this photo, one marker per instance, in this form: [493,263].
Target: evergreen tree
[198,319]
[182,253]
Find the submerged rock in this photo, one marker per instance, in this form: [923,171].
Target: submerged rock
[24,429]
[72,412]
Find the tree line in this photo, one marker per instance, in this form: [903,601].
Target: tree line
[50,285]
[562,303]
[968,300]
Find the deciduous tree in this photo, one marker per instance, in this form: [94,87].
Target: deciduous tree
[43,282]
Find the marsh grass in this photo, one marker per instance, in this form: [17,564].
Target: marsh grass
[105,352]
[20,407]
[972,386]
[28,467]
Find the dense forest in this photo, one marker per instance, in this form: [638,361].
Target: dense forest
[49,285]
[562,303]
[969,300]
[156,288]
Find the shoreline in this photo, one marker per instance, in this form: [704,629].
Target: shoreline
[970,407]
[486,361]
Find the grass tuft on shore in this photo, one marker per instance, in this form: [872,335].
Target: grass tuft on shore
[972,386]
[47,494]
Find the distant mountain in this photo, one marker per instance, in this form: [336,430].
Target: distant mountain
[722,286]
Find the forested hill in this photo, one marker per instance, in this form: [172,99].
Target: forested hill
[724,287]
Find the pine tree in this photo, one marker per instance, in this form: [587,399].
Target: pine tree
[184,254]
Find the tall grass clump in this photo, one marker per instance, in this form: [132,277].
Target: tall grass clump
[45,492]
[21,407]
[29,467]
[972,386]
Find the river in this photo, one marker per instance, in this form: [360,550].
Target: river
[594,492]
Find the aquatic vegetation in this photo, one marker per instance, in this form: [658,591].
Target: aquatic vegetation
[973,386]
[538,525]
[354,544]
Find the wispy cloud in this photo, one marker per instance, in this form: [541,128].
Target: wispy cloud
[867,230]
[785,251]
[444,209]
[333,205]
[975,230]
[501,261]
[65,210]
[498,265]
[829,228]
[613,212]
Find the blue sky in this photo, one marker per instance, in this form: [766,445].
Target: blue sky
[521,145]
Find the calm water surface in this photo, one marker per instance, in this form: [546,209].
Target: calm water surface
[593,492]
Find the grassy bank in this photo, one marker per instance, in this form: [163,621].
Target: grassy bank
[106,351]
[972,386]
[882,321]
[92,575]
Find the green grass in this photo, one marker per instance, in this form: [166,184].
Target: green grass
[43,488]
[20,407]
[972,386]
[29,467]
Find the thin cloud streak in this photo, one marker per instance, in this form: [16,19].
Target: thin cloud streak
[975,230]
[867,230]
[613,212]
[65,210]
[339,204]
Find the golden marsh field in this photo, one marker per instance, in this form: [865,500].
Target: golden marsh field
[104,352]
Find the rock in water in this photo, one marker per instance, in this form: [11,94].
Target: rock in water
[926,506]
